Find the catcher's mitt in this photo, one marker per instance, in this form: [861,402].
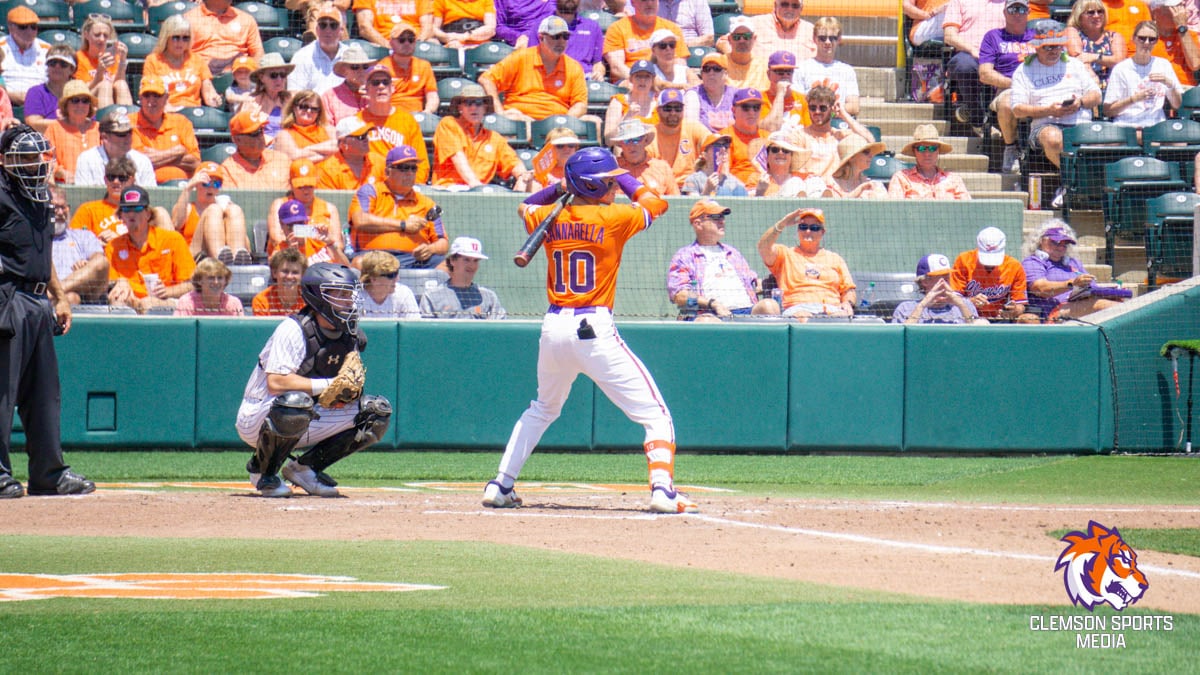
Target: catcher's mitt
[347,385]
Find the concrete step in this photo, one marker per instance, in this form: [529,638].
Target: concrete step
[876,82]
[978,182]
[893,111]
[867,50]
[902,127]
[1103,273]
[964,163]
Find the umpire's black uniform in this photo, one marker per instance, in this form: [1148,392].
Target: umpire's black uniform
[28,363]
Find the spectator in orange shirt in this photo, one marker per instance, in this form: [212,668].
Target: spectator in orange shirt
[221,33]
[992,280]
[745,68]
[347,99]
[298,233]
[747,137]
[282,297]
[102,62]
[784,108]
[213,225]
[322,216]
[814,280]
[352,165]
[184,73]
[151,265]
[167,139]
[631,140]
[75,130]
[305,131]
[254,166]
[1178,43]
[392,216]
[539,82]
[376,23]
[677,140]
[926,180]
[100,216]
[415,85]
[638,104]
[470,154]
[628,40]
[463,23]
[393,127]
[781,30]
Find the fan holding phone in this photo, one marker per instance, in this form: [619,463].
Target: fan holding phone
[102,62]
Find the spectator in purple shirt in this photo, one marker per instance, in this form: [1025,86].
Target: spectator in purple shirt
[41,101]
[1053,274]
[515,18]
[1000,53]
[710,279]
[586,44]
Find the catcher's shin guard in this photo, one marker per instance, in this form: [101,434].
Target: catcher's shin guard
[289,418]
[371,422]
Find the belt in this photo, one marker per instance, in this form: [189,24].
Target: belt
[34,287]
[557,309]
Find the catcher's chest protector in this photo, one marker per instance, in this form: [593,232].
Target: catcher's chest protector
[323,357]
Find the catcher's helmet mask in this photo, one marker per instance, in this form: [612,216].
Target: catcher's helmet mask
[332,291]
[27,154]
[588,170]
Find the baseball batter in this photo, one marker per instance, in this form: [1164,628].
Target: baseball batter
[306,390]
[583,251]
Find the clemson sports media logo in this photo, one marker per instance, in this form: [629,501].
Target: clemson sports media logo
[1099,567]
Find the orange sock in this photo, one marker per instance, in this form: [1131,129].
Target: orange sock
[660,456]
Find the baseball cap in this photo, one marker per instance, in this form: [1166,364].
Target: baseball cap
[327,10]
[213,170]
[153,85]
[713,58]
[303,173]
[661,35]
[990,245]
[740,22]
[378,68]
[65,58]
[781,60]
[244,63]
[22,15]
[812,213]
[292,212]
[708,207]
[247,122]
[1058,235]
[933,265]
[568,138]
[469,247]
[134,199]
[712,139]
[116,121]
[553,25]
[401,28]
[670,96]
[351,126]
[641,66]
[743,95]
[402,154]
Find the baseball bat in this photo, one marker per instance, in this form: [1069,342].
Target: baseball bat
[534,242]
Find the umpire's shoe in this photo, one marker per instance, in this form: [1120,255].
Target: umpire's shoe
[10,488]
[69,483]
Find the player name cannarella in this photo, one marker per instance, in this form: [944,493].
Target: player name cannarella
[1099,622]
[577,232]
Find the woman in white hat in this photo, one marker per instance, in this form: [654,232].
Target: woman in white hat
[854,158]
[639,103]
[669,71]
[270,91]
[188,79]
[926,180]
[784,176]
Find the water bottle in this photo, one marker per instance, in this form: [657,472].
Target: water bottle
[865,301]
[349,250]
[777,296]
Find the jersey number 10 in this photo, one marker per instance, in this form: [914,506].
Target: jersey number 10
[574,271]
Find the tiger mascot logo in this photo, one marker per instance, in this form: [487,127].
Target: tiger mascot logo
[1098,567]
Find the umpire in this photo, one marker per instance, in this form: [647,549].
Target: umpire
[28,321]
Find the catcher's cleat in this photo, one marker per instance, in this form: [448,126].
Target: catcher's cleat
[497,497]
[667,500]
[271,486]
[306,479]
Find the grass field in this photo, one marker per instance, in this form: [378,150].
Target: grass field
[520,609]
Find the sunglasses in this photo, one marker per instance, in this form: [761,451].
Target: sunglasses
[673,108]
[357,66]
[379,83]
[665,45]
[403,168]
[743,37]
[25,26]
[132,209]
[716,218]
[572,147]
[79,99]
[634,141]
[926,148]
[328,25]
[1017,9]
[789,5]
[776,150]
[119,134]
[712,69]
[276,75]
[308,108]
[390,275]
[215,184]
[1146,39]
[819,108]
[61,64]
[810,227]
[253,134]
[475,101]
[1051,48]
[116,178]
[558,36]
[404,40]
[784,72]
[1094,12]
[182,38]
[828,38]
[752,107]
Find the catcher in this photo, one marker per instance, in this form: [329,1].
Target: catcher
[307,390]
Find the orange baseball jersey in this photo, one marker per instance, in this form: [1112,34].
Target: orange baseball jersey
[174,131]
[410,84]
[1001,284]
[624,35]
[183,84]
[528,87]
[741,154]
[453,10]
[68,143]
[224,36]
[272,173]
[334,174]
[822,278]
[680,150]
[268,303]
[584,246]
[795,108]
[87,67]
[387,13]
[377,199]
[165,254]
[488,153]
[98,216]
[396,128]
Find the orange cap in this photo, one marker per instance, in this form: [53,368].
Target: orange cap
[707,207]
[401,28]
[812,213]
[327,10]
[246,122]
[303,173]
[153,85]
[22,15]
[213,170]
[247,62]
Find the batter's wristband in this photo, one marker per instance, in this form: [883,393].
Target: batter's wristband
[319,385]
[629,185]
[547,195]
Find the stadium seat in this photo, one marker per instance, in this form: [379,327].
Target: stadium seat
[52,14]
[373,50]
[1169,236]
[1189,107]
[588,133]
[218,153]
[1087,148]
[1060,10]
[222,82]
[1129,184]
[517,133]
[1175,141]
[248,281]
[478,59]
[884,165]
[880,293]
[127,109]
[140,45]
[211,124]
[428,123]
[718,7]
[721,24]
[526,156]
[444,61]
[159,13]
[418,280]
[65,36]
[272,21]
[603,18]
[696,55]
[284,46]
[126,16]
[599,96]
[447,88]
